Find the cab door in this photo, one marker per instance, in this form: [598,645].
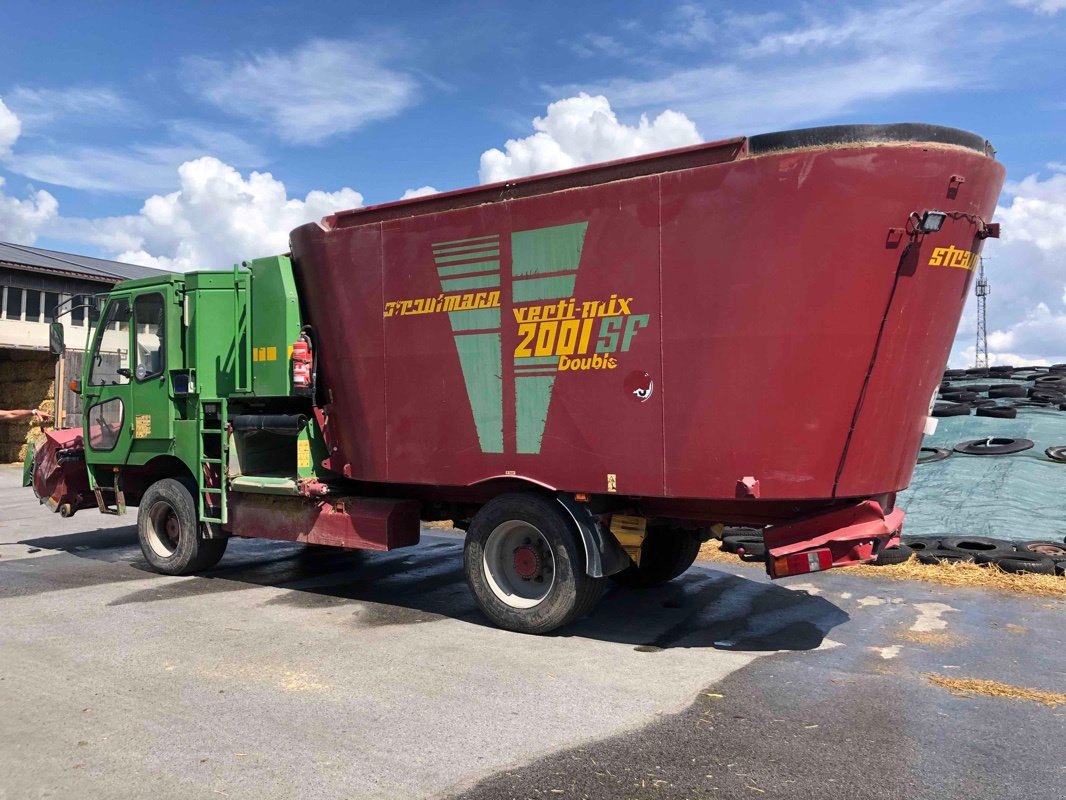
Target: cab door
[152,421]
[106,391]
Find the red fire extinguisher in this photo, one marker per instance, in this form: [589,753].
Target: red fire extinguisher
[302,359]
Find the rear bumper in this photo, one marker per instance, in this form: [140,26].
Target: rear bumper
[840,538]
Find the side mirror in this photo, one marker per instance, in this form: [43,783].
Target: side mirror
[55,339]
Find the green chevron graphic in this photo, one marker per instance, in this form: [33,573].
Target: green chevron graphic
[544,264]
[471,264]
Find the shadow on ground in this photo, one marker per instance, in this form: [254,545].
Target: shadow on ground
[704,608]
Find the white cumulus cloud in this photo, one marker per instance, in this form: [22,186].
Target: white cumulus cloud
[10,128]
[421,191]
[584,130]
[322,89]
[1027,304]
[21,220]
[215,218]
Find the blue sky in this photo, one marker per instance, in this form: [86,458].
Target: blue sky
[345,103]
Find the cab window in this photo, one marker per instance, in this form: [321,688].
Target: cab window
[111,355]
[148,312]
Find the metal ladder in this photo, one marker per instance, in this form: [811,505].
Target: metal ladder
[206,436]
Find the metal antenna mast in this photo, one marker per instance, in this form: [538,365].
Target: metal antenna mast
[982,290]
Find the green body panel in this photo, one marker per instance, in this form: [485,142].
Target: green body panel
[217,341]
[226,339]
[275,325]
[264,484]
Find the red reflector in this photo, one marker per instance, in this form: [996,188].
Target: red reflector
[802,563]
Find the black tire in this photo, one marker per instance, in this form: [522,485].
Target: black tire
[959,397]
[745,545]
[893,555]
[979,388]
[169,531]
[983,404]
[977,545]
[1057,453]
[1021,562]
[993,446]
[933,454]
[1054,384]
[999,412]
[1007,390]
[950,409]
[1032,404]
[571,594]
[1046,396]
[954,373]
[1056,551]
[665,554]
[922,544]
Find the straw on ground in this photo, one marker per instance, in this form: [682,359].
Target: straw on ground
[968,687]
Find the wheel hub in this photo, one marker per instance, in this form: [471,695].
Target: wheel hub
[527,562]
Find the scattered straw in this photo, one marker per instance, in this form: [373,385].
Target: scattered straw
[712,551]
[968,574]
[962,573]
[439,525]
[968,687]
[936,638]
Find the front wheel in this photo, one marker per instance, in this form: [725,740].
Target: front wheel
[526,566]
[169,532]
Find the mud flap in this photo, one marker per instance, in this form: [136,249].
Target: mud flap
[846,536]
[603,555]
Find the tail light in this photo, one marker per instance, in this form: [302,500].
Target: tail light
[801,563]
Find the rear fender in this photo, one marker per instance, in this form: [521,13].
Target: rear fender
[603,555]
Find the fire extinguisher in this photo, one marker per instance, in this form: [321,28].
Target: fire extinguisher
[302,360]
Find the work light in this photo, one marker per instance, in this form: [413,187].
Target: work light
[932,221]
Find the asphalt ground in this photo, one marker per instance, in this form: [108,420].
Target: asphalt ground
[295,673]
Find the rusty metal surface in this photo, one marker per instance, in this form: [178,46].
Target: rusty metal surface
[367,524]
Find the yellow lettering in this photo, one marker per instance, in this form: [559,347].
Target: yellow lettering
[526,330]
[546,338]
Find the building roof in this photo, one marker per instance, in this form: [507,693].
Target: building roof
[37,259]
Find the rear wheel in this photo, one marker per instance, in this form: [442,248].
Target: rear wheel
[665,554]
[525,565]
[169,532]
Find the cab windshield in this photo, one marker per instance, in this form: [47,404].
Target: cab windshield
[111,346]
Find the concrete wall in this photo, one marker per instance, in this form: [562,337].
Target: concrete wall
[26,381]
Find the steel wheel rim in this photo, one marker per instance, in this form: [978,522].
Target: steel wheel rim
[519,565]
[163,529]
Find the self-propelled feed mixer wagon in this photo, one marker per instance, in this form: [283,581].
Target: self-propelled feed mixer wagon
[587,371]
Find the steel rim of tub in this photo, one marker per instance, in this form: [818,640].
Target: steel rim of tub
[519,564]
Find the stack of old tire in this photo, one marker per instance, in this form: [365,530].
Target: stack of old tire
[1038,557]
[1046,390]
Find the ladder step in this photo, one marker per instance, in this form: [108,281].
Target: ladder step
[206,460]
[210,490]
